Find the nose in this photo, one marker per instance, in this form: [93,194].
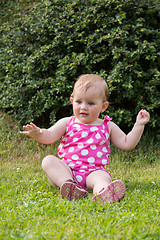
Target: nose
[84,106]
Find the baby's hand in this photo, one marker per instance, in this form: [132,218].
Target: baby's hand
[143,117]
[32,130]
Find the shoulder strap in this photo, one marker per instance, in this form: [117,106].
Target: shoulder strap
[107,119]
[71,120]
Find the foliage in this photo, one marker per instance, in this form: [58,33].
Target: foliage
[46,45]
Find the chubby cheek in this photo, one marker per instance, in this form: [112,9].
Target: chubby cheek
[76,108]
[95,111]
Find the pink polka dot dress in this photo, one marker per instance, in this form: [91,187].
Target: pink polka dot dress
[85,148]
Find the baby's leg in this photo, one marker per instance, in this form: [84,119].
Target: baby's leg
[98,180]
[104,188]
[56,170]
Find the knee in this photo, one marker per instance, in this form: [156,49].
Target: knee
[46,162]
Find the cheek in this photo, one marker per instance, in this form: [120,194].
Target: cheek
[95,110]
[75,107]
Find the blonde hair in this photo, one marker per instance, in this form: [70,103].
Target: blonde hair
[85,81]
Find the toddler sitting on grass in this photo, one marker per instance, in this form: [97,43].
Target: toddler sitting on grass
[85,145]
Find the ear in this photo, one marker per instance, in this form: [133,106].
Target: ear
[71,99]
[104,106]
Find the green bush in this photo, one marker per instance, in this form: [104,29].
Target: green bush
[46,45]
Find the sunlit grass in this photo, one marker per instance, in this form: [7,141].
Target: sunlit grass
[31,209]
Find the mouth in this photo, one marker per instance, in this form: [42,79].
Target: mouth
[84,114]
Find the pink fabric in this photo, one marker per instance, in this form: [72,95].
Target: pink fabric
[85,148]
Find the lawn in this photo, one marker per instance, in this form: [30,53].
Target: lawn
[31,209]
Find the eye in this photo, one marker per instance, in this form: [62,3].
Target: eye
[78,101]
[90,103]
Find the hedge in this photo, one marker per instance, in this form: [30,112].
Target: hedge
[46,45]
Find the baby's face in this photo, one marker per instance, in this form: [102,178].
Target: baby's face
[87,105]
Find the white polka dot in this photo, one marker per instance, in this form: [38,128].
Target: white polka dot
[99,154]
[61,150]
[80,145]
[91,170]
[84,134]
[104,149]
[75,157]
[98,136]
[84,152]
[71,149]
[83,166]
[78,128]
[93,129]
[93,147]
[65,139]
[71,165]
[79,178]
[81,170]
[104,161]
[91,159]
[90,140]
[79,162]
[63,155]
[107,135]
[66,145]
[75,139]
[102,142]
[102,131]
[76,125]
[70,133]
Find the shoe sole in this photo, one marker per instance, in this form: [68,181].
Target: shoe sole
[114,192]
[71,191]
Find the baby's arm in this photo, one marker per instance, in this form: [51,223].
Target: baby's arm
[46,136]
[129,141]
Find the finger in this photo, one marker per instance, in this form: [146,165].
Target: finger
[33,125]
[24,132]
[27,128]
[143,112]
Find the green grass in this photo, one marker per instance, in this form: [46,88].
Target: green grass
[31,209]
